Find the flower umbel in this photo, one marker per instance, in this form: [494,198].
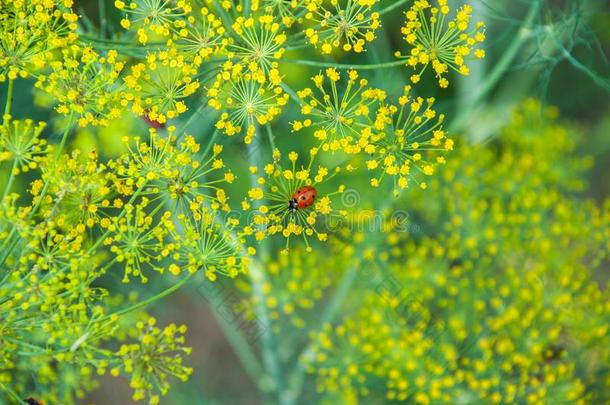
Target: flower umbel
[31,31]
[445,45]
[20,141]
[87,84]
[407,137]
[272,200]
[338,117]
[247,99]
[157,355]
[345,24]
[152,17]
[258,42]
[159,87]
[206,244]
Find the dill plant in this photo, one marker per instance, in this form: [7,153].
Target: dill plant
[486,304]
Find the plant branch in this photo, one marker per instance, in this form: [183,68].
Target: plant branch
[501,66]
[344,65]
[257,280]
[150,300]
[9,98]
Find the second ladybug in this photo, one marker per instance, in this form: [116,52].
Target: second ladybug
[302,198]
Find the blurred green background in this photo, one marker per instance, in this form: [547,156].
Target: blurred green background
[563,63]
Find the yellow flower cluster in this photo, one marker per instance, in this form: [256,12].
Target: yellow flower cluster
[258,43]
[158,88]
[339,118]
[78,189]
[157,355]
[32,30]
[344,24]
[288,11]
[20,142]
[200,35]
[501,303]
[152,18]
[207,244]
[278,186]
[138,241]
[444,45]
[86,85]
[247,99]
[359,120]
[407,134]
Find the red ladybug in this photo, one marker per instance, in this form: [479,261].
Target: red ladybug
[302,198]
[150,122]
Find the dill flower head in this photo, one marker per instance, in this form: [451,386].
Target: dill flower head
[86,84]
[138,240]
[157,355]
[274,202]
[158,87]
[152,18]
[289,11]
[345,24]
[407,141]
[257,42]
[199,35]
[172,172]
[246,99]
[31,31]
[20,142]
[205,243]
[79,190]
[338,116]
[443,44]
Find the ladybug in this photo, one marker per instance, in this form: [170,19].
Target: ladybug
[33,401]
[302,198]
[151,122]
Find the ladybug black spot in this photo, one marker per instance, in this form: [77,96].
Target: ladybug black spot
[302,197]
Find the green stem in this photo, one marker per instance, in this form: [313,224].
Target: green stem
[211,142]
[64,136]
[11,393]
[152,299]
[501,66]
[62,144]
[293,95]
[328,316]
[344,65]
[101,5]
[393,6]
[129,45]
[192,118]
[271,137]
[9,98]
[257,277]
[9,183]
[238,342]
